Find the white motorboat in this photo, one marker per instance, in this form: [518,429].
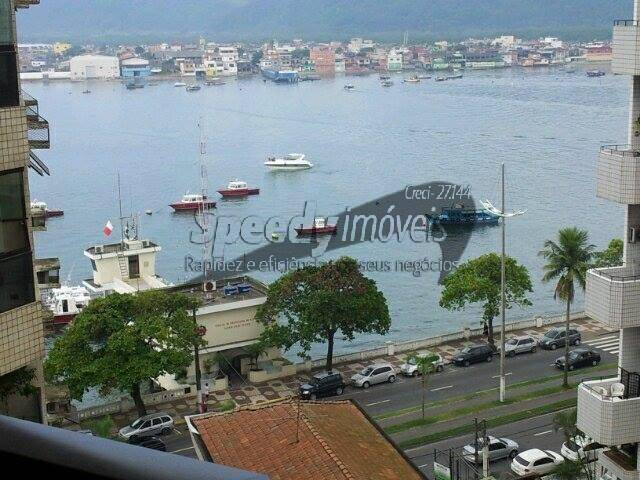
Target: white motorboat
[291,161]
[179,84]
[66,302]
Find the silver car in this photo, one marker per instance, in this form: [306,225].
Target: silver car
[376,373]
[147,426]
[498,448]
[522,344]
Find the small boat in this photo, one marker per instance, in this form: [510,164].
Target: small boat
[412,79]
[179,84]
[291,161]
[214,81]
[458,214]
[156,70]
[86,91]
[595,73]
[349,86]
[237,188]
[134,86]
[310,78]
[386,83]
[320,227]
[384,77]
[440,79]
[192,202]
[40,209]
[148,212]
[193,88]
[424,77]
[454,77]
[65,303]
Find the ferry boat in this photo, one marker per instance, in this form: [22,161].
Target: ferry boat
[291,161]
[319,227]
[179,84]
[412,79]
[192,202]
[595,73]
[237,188]
[65,303]
[460,215]
[40,209]
[193,88]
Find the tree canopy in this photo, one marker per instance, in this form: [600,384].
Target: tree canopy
[611,256]
[478,281]
[311,304]
[121,340]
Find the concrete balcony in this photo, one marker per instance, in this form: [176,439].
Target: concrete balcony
[618,174]
[37,129]
[613,296]
[626,48]
[26,3]
[617,465]
[607,420]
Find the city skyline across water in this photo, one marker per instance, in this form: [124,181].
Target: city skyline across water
[546,125]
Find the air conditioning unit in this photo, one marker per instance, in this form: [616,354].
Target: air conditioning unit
[209,286]
[146,243]
[98,249]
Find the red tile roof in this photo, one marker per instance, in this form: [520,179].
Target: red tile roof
[336,441]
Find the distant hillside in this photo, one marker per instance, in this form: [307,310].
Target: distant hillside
[150,20]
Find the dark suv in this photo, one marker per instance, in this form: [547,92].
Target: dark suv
[323,384]
[473,354]
[555,338]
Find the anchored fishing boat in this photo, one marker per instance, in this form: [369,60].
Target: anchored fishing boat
[458,214]
[595,73]
[237,188]
[65,303]
[292,161]
[192,202]
[319,227]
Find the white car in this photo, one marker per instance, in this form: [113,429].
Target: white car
[536,461]
[573,450]
[377,373]
[410,368]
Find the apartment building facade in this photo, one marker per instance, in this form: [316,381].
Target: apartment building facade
[609,409]
[22,129]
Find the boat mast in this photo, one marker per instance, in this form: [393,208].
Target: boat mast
[121,217]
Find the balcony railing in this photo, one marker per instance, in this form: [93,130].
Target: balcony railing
[37,129]
[26,3]
[626,47]
[625,23]
[605,415]
[613,296]
[618,174]
[618,465]
[29,101]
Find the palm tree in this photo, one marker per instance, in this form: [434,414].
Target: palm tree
[567,261]
[565,421]
[426,364]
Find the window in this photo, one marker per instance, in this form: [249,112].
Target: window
[16,265]
[6,24]
[157,421]
[146,424]
[9,77]
[542,461]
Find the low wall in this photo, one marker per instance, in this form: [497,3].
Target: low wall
[392,348]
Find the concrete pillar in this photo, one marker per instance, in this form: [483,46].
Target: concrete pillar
[629,355]
[391,348]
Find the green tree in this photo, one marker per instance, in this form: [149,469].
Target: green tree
[478,281]
[611,256]
[565,421]
[256,57]
[119,341]
[101,427]
[256,350]
[426,364]
[18,382]
[567,261]
[313,303]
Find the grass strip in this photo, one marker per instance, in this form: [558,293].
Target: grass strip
[491,423]
[459,412]
[469,396]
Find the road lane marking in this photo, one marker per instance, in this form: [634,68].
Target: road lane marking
[441,388]
[604,344]
[183,449]
[377,403]
[614,352]
[542,433]
[425,465]
[498,376]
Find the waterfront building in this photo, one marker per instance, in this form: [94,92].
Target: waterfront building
[609,409]
[324,58]
[22,129]
[394,60]
[340,65]
[301,440]
[484,59]
[60,48]
[598,53]
[88,67]
[135,67]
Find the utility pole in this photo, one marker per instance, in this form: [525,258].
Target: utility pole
[475,441]
[202,407]
[485,450]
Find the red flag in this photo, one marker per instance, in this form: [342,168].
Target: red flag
[108,228]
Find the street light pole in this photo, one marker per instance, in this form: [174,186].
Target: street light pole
[502,297]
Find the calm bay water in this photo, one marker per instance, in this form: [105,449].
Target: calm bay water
[546,125]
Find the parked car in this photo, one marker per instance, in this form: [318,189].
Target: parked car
[522,344]
[323,384]
[555,338]
[536,461]
[578,358]
[376,373]
[410,367]
[153,443]
[574,449]
[498,448]
[473,354]
[148,426]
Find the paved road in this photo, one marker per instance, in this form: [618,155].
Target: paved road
[531,433]
[453,381]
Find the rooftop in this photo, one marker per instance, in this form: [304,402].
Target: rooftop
[336,441]
[120,247]
[218,297]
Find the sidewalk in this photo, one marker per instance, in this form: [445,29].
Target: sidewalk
[247,394]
